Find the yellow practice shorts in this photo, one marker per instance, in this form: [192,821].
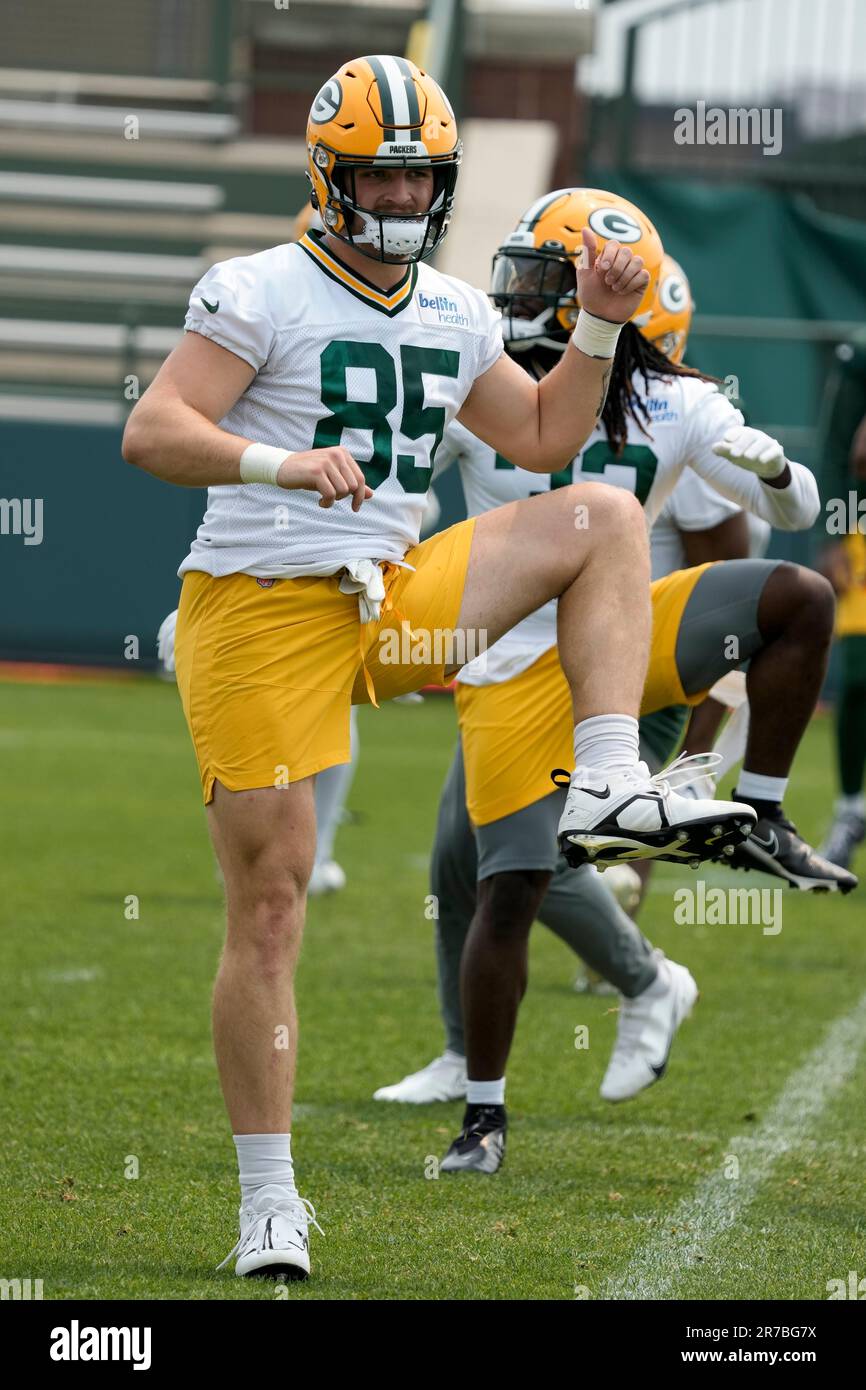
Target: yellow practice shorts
[267,669]
[514,734]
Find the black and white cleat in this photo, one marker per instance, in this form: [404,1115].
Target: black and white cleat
[774,847]
[480,1145]
[616,817]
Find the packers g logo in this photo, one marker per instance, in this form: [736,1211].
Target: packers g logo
[327,103]
[615,225]
[673,295]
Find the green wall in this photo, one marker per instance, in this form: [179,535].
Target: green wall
[113,538]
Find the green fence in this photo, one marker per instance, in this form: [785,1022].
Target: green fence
[777,284]
[732,63]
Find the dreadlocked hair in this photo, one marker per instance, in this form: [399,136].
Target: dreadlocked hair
[635,354]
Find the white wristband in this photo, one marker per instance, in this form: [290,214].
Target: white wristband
[260,463]
[596,337]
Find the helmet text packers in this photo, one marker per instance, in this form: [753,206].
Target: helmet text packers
[382,112]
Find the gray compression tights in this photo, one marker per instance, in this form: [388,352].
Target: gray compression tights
[577,907]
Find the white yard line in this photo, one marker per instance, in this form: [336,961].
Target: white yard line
[82,975]
[719,1203]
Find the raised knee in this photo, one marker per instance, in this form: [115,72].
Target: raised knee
[607,508]
[814,600]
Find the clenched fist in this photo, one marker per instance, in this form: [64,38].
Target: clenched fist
[331,472]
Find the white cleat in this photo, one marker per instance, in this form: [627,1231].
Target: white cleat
[611,817]
[443,1079]
[646,1030]
[274,1241]
[327,877]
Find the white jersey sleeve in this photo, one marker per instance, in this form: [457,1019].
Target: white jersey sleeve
[490,345]
[792,508]
[228,306]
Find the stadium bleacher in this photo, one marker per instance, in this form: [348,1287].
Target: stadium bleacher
[101,240]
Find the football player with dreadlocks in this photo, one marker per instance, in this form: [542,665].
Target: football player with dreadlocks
[660,417]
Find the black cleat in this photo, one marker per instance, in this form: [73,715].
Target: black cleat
[480,1145]
[774,847]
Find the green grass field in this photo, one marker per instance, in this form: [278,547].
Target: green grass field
[107,1064]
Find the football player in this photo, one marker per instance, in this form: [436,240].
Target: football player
[659,419]
[844,563]
[696,524]
[846,567]
[309,395]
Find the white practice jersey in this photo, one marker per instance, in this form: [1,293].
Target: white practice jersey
[337,362]
[687,417]
[696,506]
[692,506]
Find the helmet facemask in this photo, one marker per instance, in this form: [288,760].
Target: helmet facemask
[672,344]
[537,293]
[388,236]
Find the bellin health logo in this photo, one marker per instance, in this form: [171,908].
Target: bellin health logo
[448,310]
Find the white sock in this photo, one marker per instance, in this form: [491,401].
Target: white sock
[486,1092]
[607,741]
[852,805]
[263,1160]
[760,788]
[731,742]
[449,1055]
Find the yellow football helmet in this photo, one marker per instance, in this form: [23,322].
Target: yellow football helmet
[671,317]
[534,278]
[385,112]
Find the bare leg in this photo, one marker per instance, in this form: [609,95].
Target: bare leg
[528,552]
[494,969]
[703,726]
[795,616]
[265,841]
